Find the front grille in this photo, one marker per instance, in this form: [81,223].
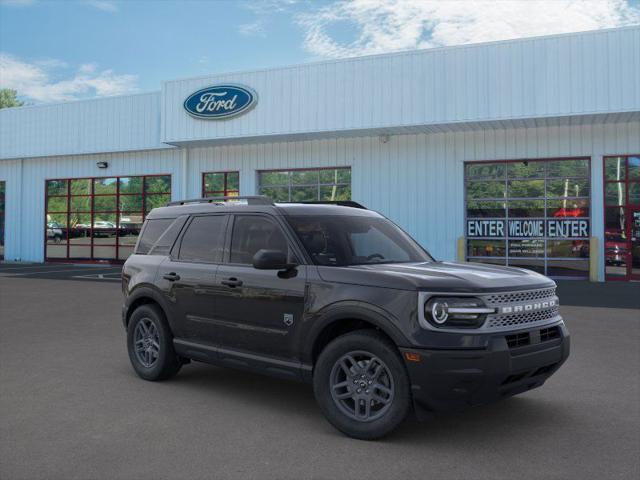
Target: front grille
[517,319]
[518,297]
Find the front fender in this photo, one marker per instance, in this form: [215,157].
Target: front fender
[350,309]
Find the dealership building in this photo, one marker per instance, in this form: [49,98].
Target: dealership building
[522,152]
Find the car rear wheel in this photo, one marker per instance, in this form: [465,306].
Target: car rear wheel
[361,385]
[150,344]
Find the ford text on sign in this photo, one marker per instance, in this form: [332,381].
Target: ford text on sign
[220,101]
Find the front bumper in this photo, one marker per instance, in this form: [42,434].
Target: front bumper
[512,363]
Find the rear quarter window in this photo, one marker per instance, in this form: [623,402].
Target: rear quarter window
[151,232]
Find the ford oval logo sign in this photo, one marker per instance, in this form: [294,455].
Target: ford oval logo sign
[220,101]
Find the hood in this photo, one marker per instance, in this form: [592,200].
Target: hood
[437,276]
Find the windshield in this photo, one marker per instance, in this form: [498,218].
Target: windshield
[338,240]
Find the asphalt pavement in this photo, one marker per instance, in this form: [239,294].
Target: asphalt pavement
[72,408]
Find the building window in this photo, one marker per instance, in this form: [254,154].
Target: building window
[329,184]
[220,184]
[622,217]
[2,210]
[532,214]
[100,218]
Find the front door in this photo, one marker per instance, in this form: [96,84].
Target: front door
[258,311]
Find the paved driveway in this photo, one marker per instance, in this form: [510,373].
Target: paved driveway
[71,408]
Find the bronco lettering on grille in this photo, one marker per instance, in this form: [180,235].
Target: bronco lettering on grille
[528,307]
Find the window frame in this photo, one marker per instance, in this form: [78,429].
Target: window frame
[226,191]
[506,178]
[174,254]
[627,207]
[289,185]
[292,243]
[91,212]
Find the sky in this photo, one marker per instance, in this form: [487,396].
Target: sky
[59,50]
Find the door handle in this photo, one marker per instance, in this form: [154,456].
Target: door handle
[172,277]
[232,282]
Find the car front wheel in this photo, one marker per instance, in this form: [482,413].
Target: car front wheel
[362,385]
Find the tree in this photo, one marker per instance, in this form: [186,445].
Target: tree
[8,98]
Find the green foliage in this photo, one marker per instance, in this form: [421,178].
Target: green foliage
[8,98]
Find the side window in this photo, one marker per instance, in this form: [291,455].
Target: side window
[252,233]
[204,239]
[152,231]
[163,245]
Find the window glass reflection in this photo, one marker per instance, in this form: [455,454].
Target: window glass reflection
[485,171]
[330,184]
[526,169]
[526,188]
[615,168]
[568,208]
[568,248]
[526,208]
[476,209]
[99,218]
[568,188]
[486,248]
[489,189]
[568,168]
[536,193]
[633,168]
[614,193]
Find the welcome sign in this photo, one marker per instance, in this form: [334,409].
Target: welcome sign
[528,228]
[220,101]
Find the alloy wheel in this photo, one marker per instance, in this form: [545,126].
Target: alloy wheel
[146,343]
[362,386]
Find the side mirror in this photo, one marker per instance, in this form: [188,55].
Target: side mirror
[271,260]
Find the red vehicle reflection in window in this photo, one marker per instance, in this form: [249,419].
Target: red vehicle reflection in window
[615,248]
[570,212]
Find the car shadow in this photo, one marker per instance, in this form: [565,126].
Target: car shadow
[498,420]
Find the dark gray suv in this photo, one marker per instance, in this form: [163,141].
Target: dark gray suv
[338,296]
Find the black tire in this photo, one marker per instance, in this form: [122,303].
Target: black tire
[166,363]
[326,377]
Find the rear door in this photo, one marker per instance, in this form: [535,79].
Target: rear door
[188,277]
[258,311]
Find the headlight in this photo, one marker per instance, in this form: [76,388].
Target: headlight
[457,312]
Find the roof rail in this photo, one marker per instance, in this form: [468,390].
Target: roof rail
[341,203]
[251,200]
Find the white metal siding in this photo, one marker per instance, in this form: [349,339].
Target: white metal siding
[547,77]
[90,126]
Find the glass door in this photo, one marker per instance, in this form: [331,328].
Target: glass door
[622,217]
[634,240]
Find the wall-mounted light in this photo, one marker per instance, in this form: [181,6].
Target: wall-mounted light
[384,138]
[102,164]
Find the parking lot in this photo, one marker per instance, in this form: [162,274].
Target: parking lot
[72,408]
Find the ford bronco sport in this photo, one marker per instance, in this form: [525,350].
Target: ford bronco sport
[338,296]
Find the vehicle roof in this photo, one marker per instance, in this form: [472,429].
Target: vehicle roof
[275,209]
